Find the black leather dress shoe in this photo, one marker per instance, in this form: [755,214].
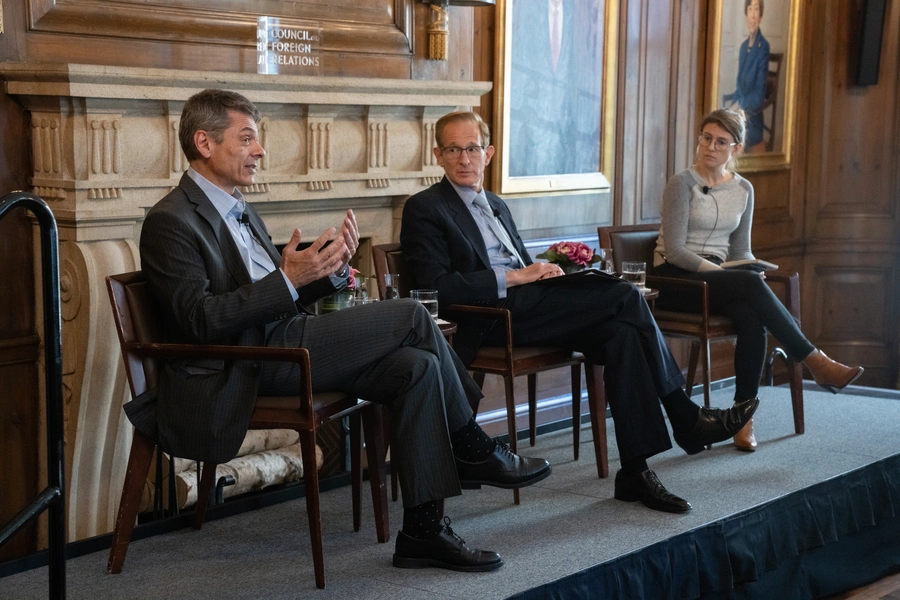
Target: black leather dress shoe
[646,487]
[502,469]
[716,425]
[445,550]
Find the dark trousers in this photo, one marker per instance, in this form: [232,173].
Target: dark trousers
[394,354]
[745,298]
[608,321]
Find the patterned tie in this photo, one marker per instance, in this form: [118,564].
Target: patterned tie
[497,227]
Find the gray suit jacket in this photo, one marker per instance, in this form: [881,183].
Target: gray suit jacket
[201,408]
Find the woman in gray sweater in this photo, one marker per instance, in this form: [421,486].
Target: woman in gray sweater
[707,215]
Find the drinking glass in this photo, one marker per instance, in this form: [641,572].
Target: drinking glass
[635,272]
[606,261]
[391,286]
[428,299]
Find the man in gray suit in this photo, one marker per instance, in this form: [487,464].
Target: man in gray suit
[217,277]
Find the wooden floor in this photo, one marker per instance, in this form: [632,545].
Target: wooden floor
[886,589]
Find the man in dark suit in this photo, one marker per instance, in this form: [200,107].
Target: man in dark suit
[461,240]
[217,277]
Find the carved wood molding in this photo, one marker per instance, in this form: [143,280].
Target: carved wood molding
[370,26]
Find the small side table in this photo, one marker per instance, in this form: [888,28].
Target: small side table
[650,296]
[448,328]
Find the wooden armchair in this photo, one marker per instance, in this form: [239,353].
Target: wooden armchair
[512,361]
[138,326]
[638,242]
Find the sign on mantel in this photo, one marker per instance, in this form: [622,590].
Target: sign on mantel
[293,49]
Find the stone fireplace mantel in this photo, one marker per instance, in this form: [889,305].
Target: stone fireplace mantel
[104,147]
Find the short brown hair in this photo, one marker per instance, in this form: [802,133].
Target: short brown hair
[208,111]
[462,116]
[762,7]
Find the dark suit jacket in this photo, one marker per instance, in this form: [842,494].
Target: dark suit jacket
[202,408]
[445,251]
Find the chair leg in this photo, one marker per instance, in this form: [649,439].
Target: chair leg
[576,409]
[692,367]
[207,478]
[388,430]
[375,452]
[795,375]
[511,421]
[478,377]
[532,407]
[135,477]
[311,479]
[707,368]
[597,410]
[355,466]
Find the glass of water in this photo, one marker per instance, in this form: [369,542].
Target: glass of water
[606,261]
[635,272]
[428,299]
[391,286]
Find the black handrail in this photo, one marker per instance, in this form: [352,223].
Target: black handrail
[53,497]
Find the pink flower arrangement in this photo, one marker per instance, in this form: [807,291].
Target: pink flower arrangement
[567,254]
[351,284]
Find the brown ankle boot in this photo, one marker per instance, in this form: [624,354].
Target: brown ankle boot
[830,374]
[744,439]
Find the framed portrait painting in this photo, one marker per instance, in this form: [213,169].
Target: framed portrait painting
[554,105]
[753,68]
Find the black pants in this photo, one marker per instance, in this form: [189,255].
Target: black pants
[609,321]
[746,299]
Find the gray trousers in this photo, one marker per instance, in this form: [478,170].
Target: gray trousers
[391,353]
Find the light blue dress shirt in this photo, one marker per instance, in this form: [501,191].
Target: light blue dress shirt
[231,207]
[501,261]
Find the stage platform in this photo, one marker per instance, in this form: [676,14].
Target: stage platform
[803,517]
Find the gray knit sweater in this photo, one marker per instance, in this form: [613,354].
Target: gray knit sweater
[694,223]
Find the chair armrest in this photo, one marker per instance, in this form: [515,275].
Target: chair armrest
[501,315]
[674,285]
[188,351]
[791,285]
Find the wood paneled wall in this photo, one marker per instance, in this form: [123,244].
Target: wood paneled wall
[19,344]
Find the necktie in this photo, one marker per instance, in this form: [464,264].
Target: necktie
[554,38]
[258,262]
[497,227]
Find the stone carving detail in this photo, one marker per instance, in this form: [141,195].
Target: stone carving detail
[319,186]
[105,153]
[378,147]
[430,180]
[256,188]
[378,183]
[177,158]
[104,193]
[429,142]
[46,146]
[318,149]
[50,193]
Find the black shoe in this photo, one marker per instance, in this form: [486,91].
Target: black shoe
[716,425]
[445,550]
[502,469]
[646,487]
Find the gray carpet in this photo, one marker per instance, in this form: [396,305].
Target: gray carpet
[565,524]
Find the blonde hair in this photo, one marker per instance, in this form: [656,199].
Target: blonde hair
[462,116]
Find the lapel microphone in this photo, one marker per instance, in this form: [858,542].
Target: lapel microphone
[245,218]
[705,189]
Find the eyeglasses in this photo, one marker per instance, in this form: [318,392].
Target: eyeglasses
[454,152]
[717,144]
